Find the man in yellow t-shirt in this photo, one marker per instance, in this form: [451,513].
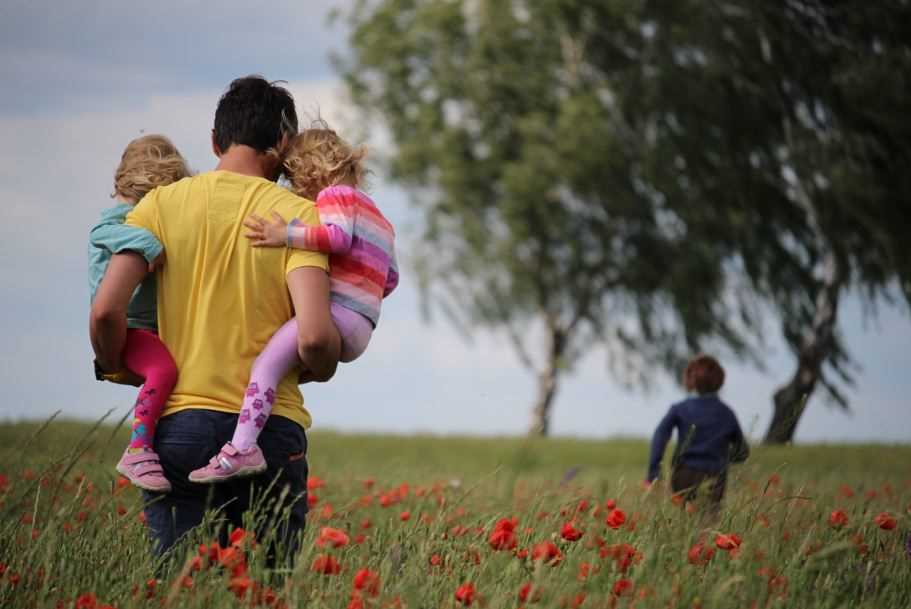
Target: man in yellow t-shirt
[219,302]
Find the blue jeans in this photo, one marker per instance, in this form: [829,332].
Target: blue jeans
[187,440]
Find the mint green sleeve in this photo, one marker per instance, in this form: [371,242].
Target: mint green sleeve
[117,238]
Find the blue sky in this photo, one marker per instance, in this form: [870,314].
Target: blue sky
[82,79]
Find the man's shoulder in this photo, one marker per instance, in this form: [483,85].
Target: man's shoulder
[277,198]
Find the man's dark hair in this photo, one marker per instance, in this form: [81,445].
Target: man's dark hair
[254,112]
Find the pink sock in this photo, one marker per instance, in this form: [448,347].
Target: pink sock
[146,355]
[268,370]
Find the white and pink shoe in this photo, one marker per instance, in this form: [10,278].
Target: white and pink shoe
[143,469]
[229,463]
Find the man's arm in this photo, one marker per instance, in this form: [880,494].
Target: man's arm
[318,342]
[108,319]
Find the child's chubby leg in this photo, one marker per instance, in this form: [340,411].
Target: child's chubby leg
[354,329]
[241,456]
[145,355]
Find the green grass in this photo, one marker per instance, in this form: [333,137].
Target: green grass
[68,530]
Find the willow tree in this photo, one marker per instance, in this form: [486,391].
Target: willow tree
[645,174]
[787,119]
[537,220]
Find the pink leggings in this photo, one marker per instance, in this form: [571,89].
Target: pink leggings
[145,355]
[279,356]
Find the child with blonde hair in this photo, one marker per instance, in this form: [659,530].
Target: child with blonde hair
[320,166]
[147,163]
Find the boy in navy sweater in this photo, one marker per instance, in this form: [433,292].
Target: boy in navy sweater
[708,434]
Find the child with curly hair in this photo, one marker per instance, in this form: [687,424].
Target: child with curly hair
[709,437]
[147,163]
[320,166]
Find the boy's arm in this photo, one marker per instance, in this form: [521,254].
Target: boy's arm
[659,443]
[740,450]
[392,277]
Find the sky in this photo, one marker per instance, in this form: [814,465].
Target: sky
[83,79]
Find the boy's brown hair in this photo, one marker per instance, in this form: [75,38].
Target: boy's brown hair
[318,158]
[148,162]
[703,374]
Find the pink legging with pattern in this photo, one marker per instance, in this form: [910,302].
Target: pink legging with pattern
[277,359]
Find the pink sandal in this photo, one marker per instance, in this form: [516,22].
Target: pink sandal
[144,470]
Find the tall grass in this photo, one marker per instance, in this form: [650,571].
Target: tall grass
[418,512]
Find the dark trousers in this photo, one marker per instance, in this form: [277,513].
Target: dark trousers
[187,440]
[687,482]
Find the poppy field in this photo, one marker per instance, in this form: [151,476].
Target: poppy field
[419,522]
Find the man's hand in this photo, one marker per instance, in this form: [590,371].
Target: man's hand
[267,234]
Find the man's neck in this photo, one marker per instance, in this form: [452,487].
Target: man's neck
[243,160]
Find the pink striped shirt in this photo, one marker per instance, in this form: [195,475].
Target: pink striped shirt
[360,243]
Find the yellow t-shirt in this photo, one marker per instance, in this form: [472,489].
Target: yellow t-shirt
[219,299]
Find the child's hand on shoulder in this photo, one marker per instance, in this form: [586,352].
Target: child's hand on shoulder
[265,233]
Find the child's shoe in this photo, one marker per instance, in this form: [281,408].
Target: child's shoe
[230,463]
[143,469]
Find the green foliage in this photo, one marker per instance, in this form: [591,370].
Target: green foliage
[530,178]
[647,174]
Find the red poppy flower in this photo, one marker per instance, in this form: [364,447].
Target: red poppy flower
[838,519]
[700,554]
[621,587]
[314,482]
[357,602]
[885,521]
[465,593]
[611,504]
[585,570]
[326,564]
[529,593]
[546,551]
[87,601]
[367,581]
[503,536]
[230,557]
[727,542]
[405,516]
[332,537]
[570,533]
[616,518]
[240,586]
[238,536]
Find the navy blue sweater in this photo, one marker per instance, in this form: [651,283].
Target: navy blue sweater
[708,436]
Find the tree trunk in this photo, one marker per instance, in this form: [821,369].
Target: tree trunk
[547,383]
[547,390]
[791,399]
